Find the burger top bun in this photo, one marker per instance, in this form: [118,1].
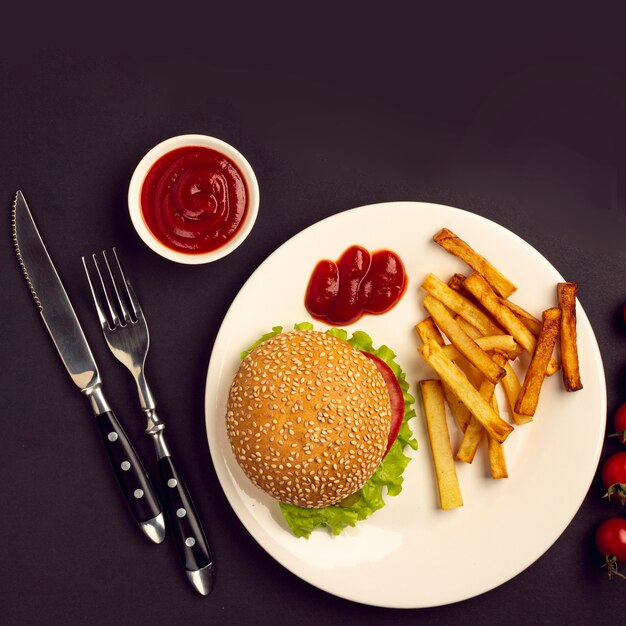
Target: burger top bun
[308,418]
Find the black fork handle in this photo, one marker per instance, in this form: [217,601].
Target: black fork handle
[183,519]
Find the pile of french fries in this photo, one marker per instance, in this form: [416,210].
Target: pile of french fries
[485,333]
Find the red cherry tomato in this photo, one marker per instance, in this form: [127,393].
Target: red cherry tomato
[619,423]
[611,543]
[614,477]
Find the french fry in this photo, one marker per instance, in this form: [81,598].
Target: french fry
[528,397]
[459,248]
[462,341]
[492,342]
[435,412]
[460,305]
[472,374]
[470,371]
[474,432]
[482,291]
[427,329]
[475,334]
[497,460]
[456,283]
[459,411]
[494,404]
[553,367]
[495,450]
[449,373]
[471,438]
[512,386]
[472,331]
[566,293]
[529,320]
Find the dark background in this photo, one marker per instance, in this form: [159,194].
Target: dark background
[523,123]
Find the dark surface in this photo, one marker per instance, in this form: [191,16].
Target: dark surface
[531,136]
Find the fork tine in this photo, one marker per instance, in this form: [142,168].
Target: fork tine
[120,300]
[104,322]
[130,292]
[112,311]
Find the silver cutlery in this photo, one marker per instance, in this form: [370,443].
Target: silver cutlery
[126,333]
[60,319]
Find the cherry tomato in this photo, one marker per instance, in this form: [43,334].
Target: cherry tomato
[611,543]
[619,423]
[614,477]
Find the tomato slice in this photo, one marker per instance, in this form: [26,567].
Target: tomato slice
[395,396]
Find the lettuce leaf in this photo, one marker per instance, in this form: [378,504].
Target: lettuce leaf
[276,330]
[388,475]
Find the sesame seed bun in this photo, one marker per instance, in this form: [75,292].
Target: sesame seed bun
[308,418]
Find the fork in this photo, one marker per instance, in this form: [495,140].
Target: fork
[126,333]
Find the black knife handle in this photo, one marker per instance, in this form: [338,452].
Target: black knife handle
[182,518]
[130,473]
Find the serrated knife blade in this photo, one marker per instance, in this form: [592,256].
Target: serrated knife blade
[60,319]
[51,298]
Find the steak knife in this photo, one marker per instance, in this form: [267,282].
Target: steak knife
[58,315]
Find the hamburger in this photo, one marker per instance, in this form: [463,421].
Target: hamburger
[319,422]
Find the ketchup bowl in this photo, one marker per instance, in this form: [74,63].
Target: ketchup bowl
[193,199]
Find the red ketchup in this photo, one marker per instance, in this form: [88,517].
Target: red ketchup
[194,199]
[340,292]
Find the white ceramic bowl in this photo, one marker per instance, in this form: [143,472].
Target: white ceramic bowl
[141,171]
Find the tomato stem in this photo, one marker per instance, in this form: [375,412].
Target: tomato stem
[610,562]
[616,491]
[621,434]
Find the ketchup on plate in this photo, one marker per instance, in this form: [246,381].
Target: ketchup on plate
[340,292]
[194,199]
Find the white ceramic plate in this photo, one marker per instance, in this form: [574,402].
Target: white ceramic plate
[410,553]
